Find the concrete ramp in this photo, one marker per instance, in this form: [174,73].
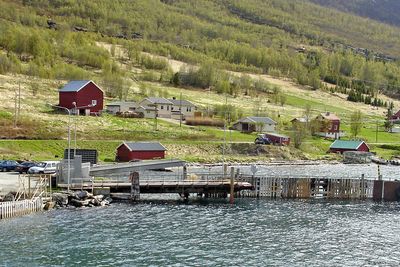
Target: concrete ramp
[126,168]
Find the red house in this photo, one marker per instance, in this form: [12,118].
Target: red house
[129,151]
[278,139]
[340,146]
[395,117]
[88,97]
[330,125]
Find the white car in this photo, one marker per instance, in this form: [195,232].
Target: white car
[44,167]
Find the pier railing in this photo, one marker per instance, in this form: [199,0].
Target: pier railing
[12,209]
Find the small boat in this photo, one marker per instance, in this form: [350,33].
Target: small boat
[395,162]
[379,161]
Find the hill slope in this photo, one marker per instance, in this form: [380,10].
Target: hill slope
[381,10]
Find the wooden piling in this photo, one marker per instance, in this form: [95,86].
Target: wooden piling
[232,186]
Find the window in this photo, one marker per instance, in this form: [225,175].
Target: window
[172,108]
[94,102]
[167,107]
[162,107]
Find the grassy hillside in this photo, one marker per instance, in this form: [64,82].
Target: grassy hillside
[254,57]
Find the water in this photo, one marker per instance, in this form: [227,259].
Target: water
[389,172]
[168,233]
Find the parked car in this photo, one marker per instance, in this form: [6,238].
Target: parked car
[44,167]
[262,139]
[24,166]
[8,165]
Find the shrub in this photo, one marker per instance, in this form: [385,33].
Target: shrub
[205,121]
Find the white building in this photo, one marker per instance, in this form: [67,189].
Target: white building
[122,106]
[255,124]
[184,107]
[163,106]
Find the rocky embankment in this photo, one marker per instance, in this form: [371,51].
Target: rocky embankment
[79,199]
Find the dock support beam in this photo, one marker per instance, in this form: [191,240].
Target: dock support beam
[135,186]
[232,189]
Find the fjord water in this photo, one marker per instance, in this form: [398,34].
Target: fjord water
[169,233]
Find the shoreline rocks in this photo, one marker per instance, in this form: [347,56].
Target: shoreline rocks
[80,199]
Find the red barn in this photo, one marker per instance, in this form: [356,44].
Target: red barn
[86,94]
[340,146]
[278,139]
[129,151]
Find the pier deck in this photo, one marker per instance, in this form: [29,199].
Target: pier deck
[154,187]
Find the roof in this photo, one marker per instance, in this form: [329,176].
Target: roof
[344,144]
[277,135]
[122,103]
[146,108]
[330,116]
[158,100]
[303,120]
[265,120]
[144,146]
[179,102]
[76,86]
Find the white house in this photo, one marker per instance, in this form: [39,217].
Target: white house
[148,112]
[122,106]
[162,105]
[184,107]
[255,124]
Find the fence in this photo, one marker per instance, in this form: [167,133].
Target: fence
[11,209]
[329,188]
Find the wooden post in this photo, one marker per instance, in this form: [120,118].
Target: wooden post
[225,170]
[135,186]
[363,193]
[185,173]
[231,197]
[29,186]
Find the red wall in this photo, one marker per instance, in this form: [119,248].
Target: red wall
[125,155]
[363,148]
[83,98]
[331,127]
[333,124]
[278,139]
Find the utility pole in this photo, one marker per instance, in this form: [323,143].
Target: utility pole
[180,110]
[376,133]
[155,117]
[15,109]
[19,97]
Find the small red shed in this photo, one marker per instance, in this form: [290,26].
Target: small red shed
[88,97]
[129,151]
[278,139]
[340,146]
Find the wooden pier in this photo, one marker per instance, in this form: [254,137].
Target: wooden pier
[162,186]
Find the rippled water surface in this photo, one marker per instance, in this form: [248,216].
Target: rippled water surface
[167,233]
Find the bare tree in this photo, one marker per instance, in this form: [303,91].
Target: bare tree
[355,123]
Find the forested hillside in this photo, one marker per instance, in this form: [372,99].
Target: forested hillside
[294,39]
[381,10]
